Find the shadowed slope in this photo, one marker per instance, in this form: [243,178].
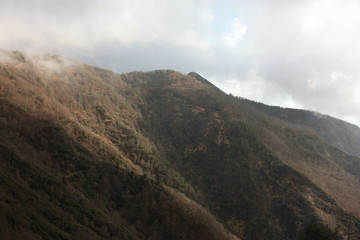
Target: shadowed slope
[69,161]
[223,147]
[89,154]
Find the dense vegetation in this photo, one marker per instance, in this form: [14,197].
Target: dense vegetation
[89,154]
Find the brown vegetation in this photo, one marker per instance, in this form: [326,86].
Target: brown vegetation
[90,154]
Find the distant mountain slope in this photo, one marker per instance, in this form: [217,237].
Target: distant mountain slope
[223,145]
[329,167]
[89,154]
[336,132]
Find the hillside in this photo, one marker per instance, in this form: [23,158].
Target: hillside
[90,154]
[336,132]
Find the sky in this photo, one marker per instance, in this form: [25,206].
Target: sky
[290,53]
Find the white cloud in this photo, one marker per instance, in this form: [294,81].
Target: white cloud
[237,32]
[50,25]
[289,53]
[251,89]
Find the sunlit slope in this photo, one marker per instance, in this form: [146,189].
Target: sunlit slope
[74,166]
[90,154]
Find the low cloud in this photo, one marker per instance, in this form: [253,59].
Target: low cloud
[49,64]
[288,53]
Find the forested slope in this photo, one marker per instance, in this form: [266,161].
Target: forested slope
[90,154]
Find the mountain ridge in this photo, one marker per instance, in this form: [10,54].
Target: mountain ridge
[162,155]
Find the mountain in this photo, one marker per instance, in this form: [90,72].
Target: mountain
[333,131]
[90,154]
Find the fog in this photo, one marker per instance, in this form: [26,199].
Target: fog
[301,54]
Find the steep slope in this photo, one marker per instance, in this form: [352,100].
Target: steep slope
[90,154]
[222,146]
[69,150]
[336,132]
[325,164]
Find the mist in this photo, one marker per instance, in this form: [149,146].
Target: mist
[300,54]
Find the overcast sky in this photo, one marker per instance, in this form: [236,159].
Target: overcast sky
[291,53]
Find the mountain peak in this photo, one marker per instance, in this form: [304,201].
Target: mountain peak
[164,155]
[200,78]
